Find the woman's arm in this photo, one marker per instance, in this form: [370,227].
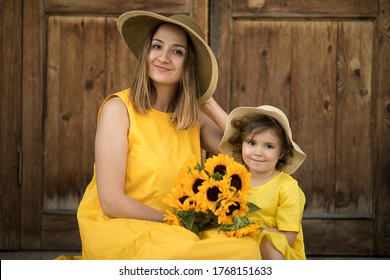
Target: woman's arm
[212,109]
[213,120]
[111,148]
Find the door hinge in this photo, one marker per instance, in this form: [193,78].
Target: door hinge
[20,167]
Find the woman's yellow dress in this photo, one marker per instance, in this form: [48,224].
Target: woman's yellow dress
[282,204]
[156,151]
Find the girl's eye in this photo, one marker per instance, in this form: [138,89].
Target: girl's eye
[269,146]
[251,143]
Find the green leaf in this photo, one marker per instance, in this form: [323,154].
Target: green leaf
[252,208]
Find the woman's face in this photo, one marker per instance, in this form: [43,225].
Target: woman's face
[167,55]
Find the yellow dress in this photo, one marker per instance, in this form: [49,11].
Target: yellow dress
[282,203]
[156,151]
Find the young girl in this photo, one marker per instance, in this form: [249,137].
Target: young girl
[261,139]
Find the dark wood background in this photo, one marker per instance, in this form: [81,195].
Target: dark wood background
[325,63]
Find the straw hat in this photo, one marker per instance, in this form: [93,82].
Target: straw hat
[135,26]
[293,163]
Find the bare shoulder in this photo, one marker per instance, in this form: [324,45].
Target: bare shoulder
[114,110]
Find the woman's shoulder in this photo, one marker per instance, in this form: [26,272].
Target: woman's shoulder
[115,103]
[123,95]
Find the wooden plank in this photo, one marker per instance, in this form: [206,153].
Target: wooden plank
[32,137]
[61,240]
[261,68]
[82,92]
[312,113]
[59,220]
[51,113]
[382,121]
[10,117]
[353,190]
[221,43]
[60,231]
[70,111]
[116,6]
[344,237]
[93,78]
[121,63]
[199,11]
[305,8]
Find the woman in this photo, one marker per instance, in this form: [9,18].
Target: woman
[144,135]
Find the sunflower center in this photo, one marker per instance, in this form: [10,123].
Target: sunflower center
[221,169]
[212,194]
[195,187]
[236,182]
[232,208]
[183,198]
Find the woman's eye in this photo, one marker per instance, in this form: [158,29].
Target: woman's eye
[154,46]
[178,52]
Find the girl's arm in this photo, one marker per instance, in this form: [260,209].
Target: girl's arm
[111,147]
[290,235]
[213,120]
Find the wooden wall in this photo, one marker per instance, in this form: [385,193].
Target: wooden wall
[325,63]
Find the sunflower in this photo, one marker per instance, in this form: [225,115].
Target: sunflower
[230,207]
[239,177]
[218,164]
[180,198]
[213,195]
[249,230]
[212,191]
[171,219]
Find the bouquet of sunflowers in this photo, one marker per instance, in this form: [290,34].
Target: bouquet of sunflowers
[215,195]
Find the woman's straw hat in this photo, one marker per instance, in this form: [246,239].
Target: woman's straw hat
[293,163]
[135,26]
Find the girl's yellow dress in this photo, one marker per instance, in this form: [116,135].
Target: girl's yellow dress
[282,204]
[156,151]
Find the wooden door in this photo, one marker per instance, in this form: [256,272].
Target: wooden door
[324,63]
[10,121]
[73,58]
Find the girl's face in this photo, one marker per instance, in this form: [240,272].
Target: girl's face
[167,55]
[261,152]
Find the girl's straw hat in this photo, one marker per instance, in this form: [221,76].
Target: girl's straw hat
[135,26]
[293,163]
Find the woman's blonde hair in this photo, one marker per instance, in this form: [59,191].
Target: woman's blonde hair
[186,102]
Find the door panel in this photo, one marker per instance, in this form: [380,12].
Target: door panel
[316,61]
[10,119]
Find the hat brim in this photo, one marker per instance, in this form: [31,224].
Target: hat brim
[135,26]
[225,147]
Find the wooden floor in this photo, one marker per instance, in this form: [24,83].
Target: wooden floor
[50,255]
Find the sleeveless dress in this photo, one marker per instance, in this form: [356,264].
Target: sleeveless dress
[156,152]
[282,204]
